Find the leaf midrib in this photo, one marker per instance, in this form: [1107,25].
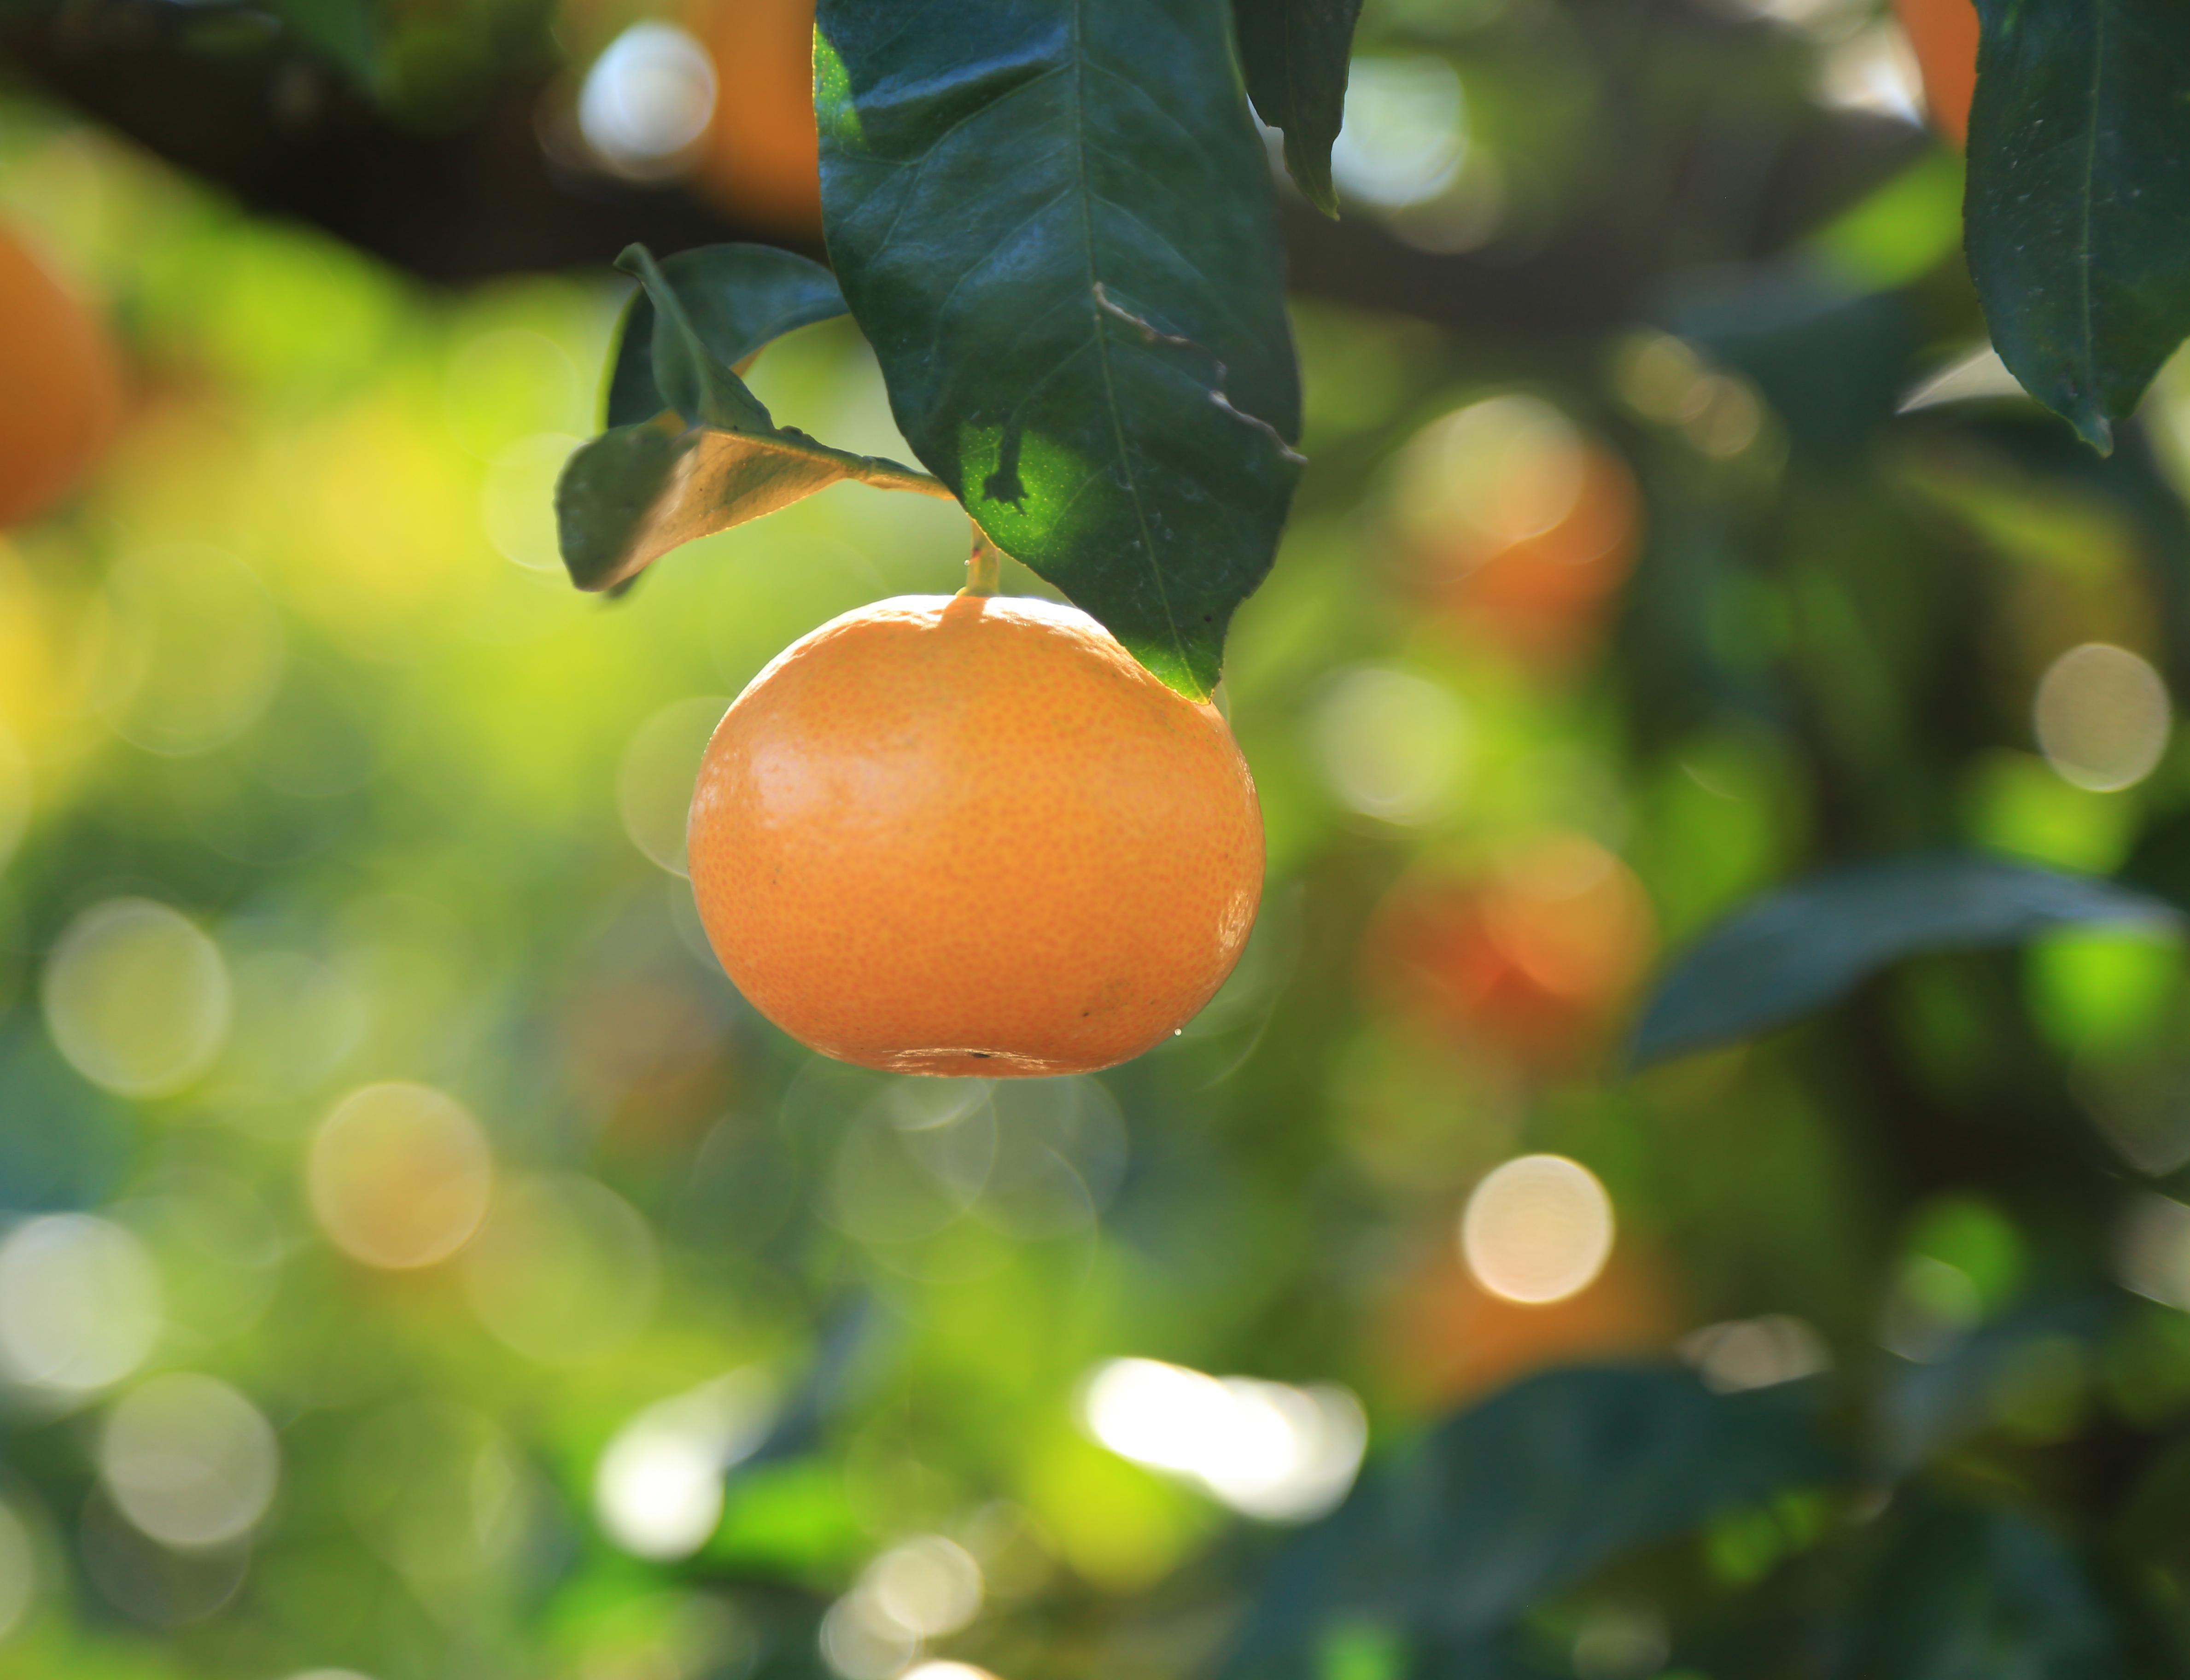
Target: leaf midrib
[2083,253]
[1102,327]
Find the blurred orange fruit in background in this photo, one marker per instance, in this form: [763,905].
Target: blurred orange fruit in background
[972,835]
[60,385]
[1944,35]
[1444,1336]
[760,159]
[1520,528]
[1531,960]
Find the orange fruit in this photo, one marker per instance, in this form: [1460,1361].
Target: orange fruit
[1944,35]
[1444,1336]
[1544,595]
[60,386]
[760,158]
[1530,962]
[968,834]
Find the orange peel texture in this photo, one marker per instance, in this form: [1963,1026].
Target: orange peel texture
[971,835]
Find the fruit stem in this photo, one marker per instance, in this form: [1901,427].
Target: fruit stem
[984,573]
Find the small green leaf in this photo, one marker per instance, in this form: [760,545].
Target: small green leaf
[1056,223]
[695,383]
[1800,949]
[638,490]
[631,495]
[1294,53]
[738,297]
[2079,208]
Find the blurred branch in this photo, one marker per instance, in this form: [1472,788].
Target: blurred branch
[1705,181]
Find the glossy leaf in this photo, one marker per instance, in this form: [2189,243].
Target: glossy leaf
[1294,54]
[1963,1592]
[638,490]
[1798,949]
[1055,222]
[737,298]
[2079,207]
[1526,1494]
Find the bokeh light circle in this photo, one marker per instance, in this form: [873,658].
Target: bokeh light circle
[2102,716]
[564,1270]
[399,1175]
[189,1460]
[136,998]
[1391,745]
[1537,1230]
[80,1303]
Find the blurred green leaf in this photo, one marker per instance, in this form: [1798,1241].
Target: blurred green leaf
[344,33]
[2079,207]
[1525,1495]
[639,490]
[1294,54]
[1800,949]
[1057,226]
[737,298]
[1963,1593]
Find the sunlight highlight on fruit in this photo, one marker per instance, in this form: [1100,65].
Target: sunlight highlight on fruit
[80,1303]
[1266,1449]
[2102,717]
[398,1175]
[658,1488]
[136,997]
[189,1460]
[1537,1230]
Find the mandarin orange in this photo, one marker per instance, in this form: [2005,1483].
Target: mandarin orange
[60,386]
[970,834]
[1944,35]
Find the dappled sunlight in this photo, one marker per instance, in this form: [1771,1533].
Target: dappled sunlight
[80,1304]
[1266,1449]
[2102,717]
[398,1175]
[1537,1230]
[136,998]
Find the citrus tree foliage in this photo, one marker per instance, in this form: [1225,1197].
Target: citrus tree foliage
[2080,198]
[1886,1373]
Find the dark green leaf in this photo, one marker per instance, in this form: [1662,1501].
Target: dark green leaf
[1056,223]
[736,297]
[1526,1494]
[1968,1594]
[1294,54]
[1799,950]
[2079,208]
